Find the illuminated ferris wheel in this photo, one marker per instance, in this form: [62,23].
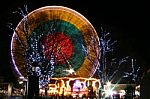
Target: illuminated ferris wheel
[57,41]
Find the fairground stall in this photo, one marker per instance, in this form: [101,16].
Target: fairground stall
[67,86]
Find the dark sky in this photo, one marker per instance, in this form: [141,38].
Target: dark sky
[127,23]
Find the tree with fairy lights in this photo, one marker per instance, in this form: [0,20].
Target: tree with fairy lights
[39,68]
[133,74]
[110,64]
[106,46]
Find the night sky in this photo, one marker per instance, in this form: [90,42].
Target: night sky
[126,22]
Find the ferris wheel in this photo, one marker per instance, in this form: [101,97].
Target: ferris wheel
[56,40]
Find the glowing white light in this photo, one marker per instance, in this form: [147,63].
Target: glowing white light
[70,71]
[108,92]
[21,77]
[137,93]
[77,84]
[108,83]
[20,82]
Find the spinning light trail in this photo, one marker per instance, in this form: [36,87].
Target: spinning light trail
[53,40]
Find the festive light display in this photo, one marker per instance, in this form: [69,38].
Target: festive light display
[73,86]
[55,41]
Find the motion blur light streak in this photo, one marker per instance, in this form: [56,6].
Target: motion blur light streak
[54,39]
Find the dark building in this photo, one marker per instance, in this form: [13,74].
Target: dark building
[145,86]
